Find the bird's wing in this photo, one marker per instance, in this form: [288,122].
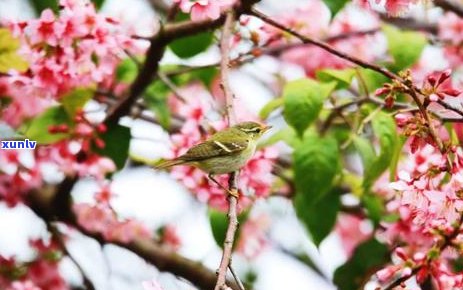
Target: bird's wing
[214,148]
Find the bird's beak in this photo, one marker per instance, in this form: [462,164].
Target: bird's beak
[266,128]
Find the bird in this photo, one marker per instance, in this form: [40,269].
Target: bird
[224,152]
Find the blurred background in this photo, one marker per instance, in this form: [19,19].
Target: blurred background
[285,259]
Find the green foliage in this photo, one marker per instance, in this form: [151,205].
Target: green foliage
[366,151]
[205,75]
[374,206]
[126,71]
[404,46]
[335,5]
[270,107]
[190,46]
[40,5]
[315,164]
[367,256]
[372,79]
[98,3]
[37,129]
[287,135]
[219,223]
[343,77]
[156,99]
[375,164]
[303,101]
[385,130]
[320,217]
[76,100]
[117,140]
[9,58]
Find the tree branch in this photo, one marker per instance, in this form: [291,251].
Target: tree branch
[225,67]
[58,237]
[447,241]
[410,88]
[225,262]
[326,46]
[55,205]
[159,42]
[230,234]
[449,6]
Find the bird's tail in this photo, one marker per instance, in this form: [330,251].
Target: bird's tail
[164,164]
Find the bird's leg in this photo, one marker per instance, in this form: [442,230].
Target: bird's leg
[234,192]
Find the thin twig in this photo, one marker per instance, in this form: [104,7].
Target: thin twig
[230,234]
[450,107]
[58,237]
[325,46]
[225,67]
[447,241]
[410,88]
[236,277]
[165,79]
[165,35]
[225,262]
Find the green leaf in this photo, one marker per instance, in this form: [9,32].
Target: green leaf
[396,156]
[366,151]
[190,46]
[37,129]
[372,79]
[270,107]
[9,58]
[76,100]
[98,3]
[368,256]
[316,163]
[126,71]
[342,77]
[335,6]
[40,5]
[219,223]
[374,206]
[205,75]
[385,129]
[405,47]
[320,217]
[303,101]
[156,99]
[117,141]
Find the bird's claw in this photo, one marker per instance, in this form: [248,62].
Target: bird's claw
[233,192]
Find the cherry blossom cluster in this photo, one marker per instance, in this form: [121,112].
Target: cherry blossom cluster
[427,201]
[17,177]
[77,48]
[253,238]
[204,9]
[100,218]
[255,178]
[40,273]
[450,28]
[314,20]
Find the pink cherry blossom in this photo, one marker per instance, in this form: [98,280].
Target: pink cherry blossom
[352,230]
[204,9]
[253,238]
[102,219]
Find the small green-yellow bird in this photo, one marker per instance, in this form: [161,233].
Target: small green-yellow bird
[224,152]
